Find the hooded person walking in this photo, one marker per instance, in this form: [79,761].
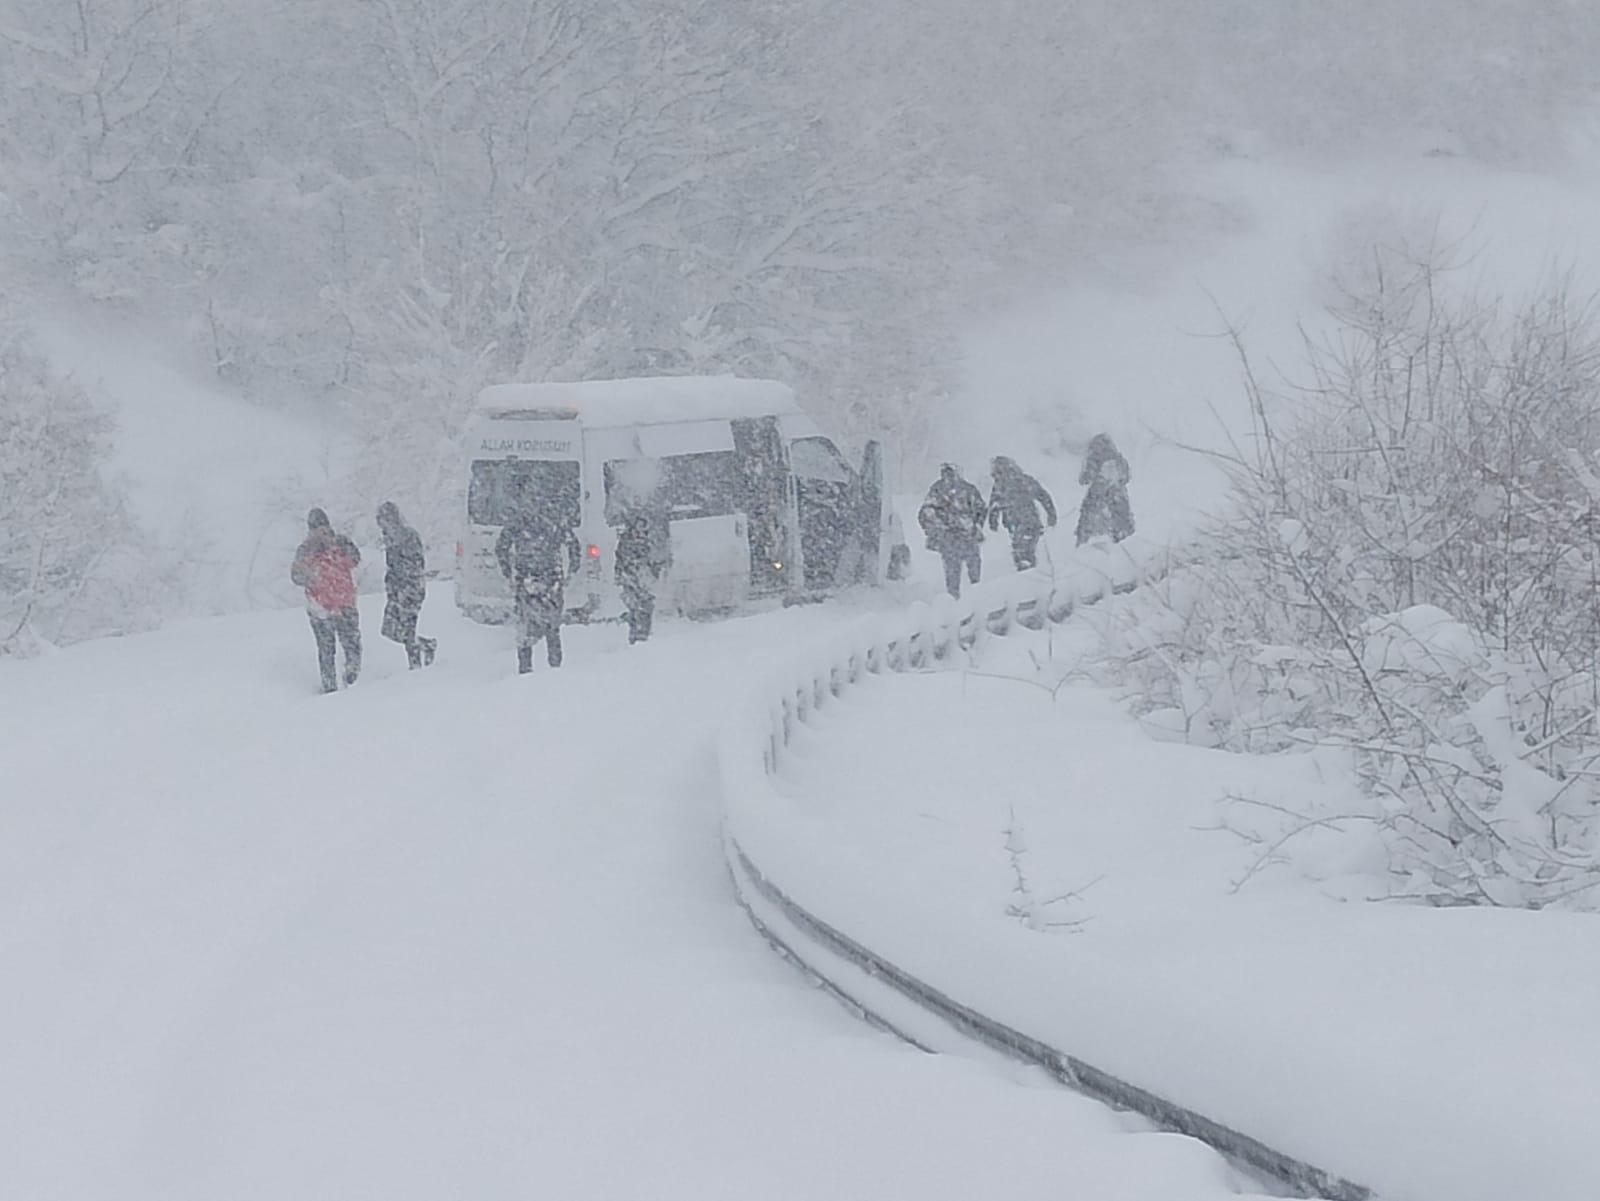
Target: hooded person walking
[1016,501]
[324,566]
[951,517]
[537,551]
[1105,508]
[644,554]
[405,585]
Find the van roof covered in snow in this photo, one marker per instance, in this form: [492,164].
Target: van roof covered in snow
[646,400]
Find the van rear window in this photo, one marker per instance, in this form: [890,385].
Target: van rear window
[497,486]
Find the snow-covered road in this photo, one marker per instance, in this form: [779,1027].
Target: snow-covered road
[452,934]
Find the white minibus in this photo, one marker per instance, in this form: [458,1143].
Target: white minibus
[758,502]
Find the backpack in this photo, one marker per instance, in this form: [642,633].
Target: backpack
[533,552]
[327,567]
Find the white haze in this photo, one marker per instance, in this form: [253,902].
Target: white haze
[360,213]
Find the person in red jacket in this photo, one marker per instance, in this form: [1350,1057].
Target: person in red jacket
[323,567]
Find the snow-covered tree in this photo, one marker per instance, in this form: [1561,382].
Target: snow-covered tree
[63,529]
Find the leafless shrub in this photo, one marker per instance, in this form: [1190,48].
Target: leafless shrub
[1052,913]
[1408,572]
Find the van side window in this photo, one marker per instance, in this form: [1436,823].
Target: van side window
[702,485]
[629,484]
[698,485]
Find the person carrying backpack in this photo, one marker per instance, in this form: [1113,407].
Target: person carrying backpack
[952,517]
[324,565]
[405,585]
[537,552]
[1016,500]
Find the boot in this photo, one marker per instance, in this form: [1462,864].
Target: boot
[524,660]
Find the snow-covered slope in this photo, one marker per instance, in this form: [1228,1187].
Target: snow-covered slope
[221,484]
[1136,347]
[447,934]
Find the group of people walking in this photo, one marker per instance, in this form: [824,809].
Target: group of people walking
[324,566]
[954,513]
[537,552]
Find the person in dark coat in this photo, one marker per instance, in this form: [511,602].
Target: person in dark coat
[324,566]
[404,584]
[537,552]
[1105,508]
[644,553]
[952,517]
[1016,500]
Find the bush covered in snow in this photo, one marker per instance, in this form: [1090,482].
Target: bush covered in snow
[71,563]
[1409,573]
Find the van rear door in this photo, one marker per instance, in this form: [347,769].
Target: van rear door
[768,503]
[848,533]
[700,486]
[870,503]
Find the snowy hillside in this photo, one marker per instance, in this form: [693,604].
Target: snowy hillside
[219,482]
[1137,348]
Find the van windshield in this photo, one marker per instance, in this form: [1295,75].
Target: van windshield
[818,459]
[498,484]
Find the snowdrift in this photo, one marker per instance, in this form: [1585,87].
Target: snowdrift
[850,829]
[753,746]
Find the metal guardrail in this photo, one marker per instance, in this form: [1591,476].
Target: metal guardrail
[925,637]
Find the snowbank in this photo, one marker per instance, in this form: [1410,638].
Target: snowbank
[1424,1053]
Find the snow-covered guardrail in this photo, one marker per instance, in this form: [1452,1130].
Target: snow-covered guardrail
[755,740]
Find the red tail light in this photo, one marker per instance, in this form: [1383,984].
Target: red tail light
[594,551]
[460,550]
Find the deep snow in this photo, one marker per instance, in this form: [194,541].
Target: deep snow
[461,934]
[448,934]
[1424,1053]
